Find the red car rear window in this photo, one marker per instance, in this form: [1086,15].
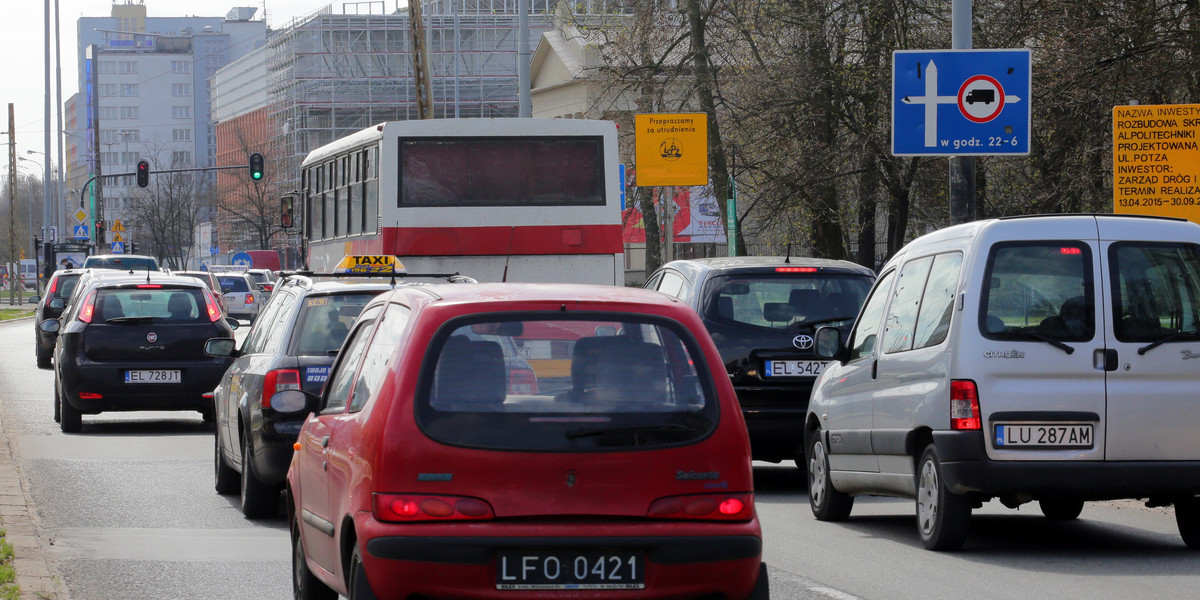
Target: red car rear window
[566,384]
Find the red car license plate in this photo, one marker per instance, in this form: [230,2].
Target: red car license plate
[569,570]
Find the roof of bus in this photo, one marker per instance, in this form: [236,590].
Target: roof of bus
[462,128]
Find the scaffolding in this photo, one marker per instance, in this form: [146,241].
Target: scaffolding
[349,66]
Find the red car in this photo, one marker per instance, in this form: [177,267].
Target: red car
[623,473]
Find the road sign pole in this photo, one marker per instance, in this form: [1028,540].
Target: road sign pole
[962,168]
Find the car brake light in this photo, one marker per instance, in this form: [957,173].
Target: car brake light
[249,298]
[277,381]
[90,396]
[149,286]
[210,304]
[409,508]
[522,382]
[53,286]
[795,269]
[964,405]
[1070,251]
[89,307]
[704,507]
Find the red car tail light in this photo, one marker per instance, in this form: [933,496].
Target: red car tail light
[53,286]
[249,298]
[964,405]
[90,396]
[210,304]
[89,307]
[522,381]
[795,269]
[704,507]
[411,508]
[277,381]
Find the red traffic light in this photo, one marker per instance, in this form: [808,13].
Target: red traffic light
[143,173]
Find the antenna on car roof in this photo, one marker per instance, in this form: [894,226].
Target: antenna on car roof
[147,273]
[787,260]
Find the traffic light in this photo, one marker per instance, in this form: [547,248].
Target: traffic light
[133,247]
[100,239]
[256,166]
[143,173]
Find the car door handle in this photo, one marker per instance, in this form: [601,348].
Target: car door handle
[325,442]
[1104,359]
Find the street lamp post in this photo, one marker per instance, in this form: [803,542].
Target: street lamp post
[31,234]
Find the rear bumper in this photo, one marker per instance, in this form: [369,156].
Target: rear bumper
[966,468]
[694,564]
[108,380]
[775,420]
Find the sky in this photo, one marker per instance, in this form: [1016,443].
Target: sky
[22,43]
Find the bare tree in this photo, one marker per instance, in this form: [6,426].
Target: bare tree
[168,211]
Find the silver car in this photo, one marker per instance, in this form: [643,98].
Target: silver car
[242,299]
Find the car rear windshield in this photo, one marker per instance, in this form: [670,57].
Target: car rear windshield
[66,286]
[183,305]
[120,262]
[258,277]
[234,284]
[324,322]
[602,383]
[785,301]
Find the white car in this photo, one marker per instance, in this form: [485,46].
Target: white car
[241,297]
[1022,359]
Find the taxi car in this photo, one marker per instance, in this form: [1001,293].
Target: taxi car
[136,342]
[762,312]
[626,473]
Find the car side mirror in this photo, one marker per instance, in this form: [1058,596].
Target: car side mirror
[34,299]
[233,323]
[295,402]
[828,343]
[57,304]
[50,325]
[221,347]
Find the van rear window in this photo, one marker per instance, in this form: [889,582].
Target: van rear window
[1041,288]
[1157,291]
[548,383]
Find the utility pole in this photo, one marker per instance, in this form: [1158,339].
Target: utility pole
[420,60]
[962,168]
[524,101]
[14,268]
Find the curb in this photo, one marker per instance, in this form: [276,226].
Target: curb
[35,574]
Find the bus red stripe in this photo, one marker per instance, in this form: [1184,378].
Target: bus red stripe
[500,241]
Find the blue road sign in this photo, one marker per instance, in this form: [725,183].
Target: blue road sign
[961,102]
[242,259]
[81,232]
[621,175]
[118,247]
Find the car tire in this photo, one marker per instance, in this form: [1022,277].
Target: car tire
[225,479]
[305,585]
[57,402]
[360,588]
[70,420]
[942,517]
[43,358]
[762,587]
[259,500]
[1061,509]
[827,503]
[1187,517]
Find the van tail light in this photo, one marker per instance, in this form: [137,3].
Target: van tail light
[704,507]
[277,381]
[522,382]
[249,298]
[210,304]
[964,405]
[412,508]
[89,307]
[53,286]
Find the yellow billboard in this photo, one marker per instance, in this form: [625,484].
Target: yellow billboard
[1156,160]
[671,149]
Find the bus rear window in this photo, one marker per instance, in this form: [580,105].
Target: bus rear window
[499,171]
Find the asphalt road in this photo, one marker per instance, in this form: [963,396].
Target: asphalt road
[127,511]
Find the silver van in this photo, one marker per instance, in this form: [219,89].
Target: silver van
[1046,358]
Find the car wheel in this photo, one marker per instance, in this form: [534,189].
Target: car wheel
[827,503]
[259,500]
[762,587]
[225,478]
[305,585]
[942,517]
[43,358]
[70,420]
[57,402]
[360,588]
[1187,517]
[1061,509]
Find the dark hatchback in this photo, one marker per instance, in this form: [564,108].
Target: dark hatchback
[136,342]
[291,346]
[762,312]
[61,284]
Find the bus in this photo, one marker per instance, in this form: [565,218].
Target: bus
[532,200]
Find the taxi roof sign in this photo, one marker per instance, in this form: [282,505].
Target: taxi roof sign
[380,264]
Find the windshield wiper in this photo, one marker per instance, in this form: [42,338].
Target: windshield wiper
[1045,338]
[1162,340]
[822,321]
[575,434]
[129,319]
